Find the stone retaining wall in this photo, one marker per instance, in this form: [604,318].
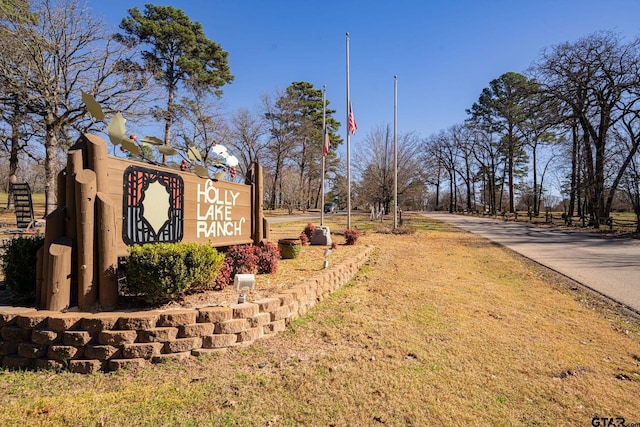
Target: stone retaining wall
[106,341]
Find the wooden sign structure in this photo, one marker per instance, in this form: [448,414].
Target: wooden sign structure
[106,204]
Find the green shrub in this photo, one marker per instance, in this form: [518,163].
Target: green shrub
[164,271]
[19,263]
[290,248]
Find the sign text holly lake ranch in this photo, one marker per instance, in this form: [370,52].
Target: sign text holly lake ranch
[214,212]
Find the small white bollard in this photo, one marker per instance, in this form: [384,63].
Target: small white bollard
[244,282]
[326,258]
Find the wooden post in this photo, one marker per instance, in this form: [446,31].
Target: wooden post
[265,228]
[85,192]
[40,256]
[55,229]
[61,194]
[74,166]
[59,266]
[97,160]
[249,180]
[257,193]
[106,251]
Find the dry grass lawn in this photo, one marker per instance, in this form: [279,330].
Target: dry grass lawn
[440,328]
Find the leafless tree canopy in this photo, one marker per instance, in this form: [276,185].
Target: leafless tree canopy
[49,62]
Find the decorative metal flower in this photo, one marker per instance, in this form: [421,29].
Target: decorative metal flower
[219,159]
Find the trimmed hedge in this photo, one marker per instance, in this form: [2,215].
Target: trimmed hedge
[164,271]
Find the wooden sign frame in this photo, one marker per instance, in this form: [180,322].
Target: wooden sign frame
[107,203]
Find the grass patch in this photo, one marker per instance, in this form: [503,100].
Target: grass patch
[441,328]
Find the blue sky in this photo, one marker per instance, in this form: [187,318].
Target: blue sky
[443,52]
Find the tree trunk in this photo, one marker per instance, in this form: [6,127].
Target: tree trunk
[510,167]
[167,120]
[50,166]
[573,190]
[536,194]
[451,185]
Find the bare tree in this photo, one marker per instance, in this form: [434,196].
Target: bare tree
[597,80]
[201,125]
[247,132]
[538,131]
[290,190]
[67,51]
[17,127]
[280,115]
[374,164]
[487,152]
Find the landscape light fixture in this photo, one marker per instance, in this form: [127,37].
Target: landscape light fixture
[242,283]
[326,258]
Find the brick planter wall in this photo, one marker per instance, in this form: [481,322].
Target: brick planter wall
[105,341]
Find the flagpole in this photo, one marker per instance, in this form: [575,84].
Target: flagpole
[395,152]
[348,144]
[324,141]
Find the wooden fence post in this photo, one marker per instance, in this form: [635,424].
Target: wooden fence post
[61,192]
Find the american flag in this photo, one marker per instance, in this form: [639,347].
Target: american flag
[327,144]
[352,121]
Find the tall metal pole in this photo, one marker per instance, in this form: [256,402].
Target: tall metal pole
[395,152]
[324,141]
[348,145]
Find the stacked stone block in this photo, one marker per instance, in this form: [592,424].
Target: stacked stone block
[106,341]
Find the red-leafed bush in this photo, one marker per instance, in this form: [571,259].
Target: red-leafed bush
[239,259]
[351,236]
[303,238]
[248,259]
[224,277]
[308,232]
[245,259]
[268,256]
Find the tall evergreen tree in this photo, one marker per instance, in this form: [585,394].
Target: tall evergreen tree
[294,121]
[501,108]
[178,51]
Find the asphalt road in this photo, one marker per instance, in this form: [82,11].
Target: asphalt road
[608,265]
